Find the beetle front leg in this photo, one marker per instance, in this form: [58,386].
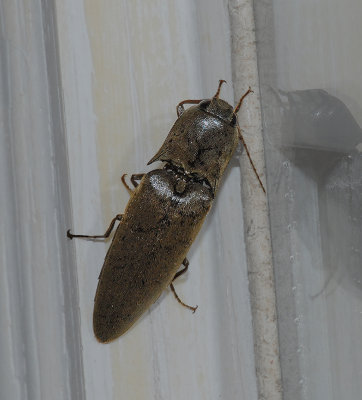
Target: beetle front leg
[186,263]
[248,154]
[118,217]
[180,106]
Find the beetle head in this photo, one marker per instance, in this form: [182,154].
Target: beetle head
[219,108]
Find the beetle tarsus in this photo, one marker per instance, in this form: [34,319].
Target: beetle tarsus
[193,309]
[118,217]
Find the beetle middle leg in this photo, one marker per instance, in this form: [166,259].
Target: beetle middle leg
[186,263]
[134,179]
[118,217]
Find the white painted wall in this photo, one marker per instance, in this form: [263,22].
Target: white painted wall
[39,318]
[313,152]
[88,92]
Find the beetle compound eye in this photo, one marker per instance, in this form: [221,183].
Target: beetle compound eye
[233,120]
[204,104]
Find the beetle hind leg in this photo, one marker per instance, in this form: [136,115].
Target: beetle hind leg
[186,263]
[118,217]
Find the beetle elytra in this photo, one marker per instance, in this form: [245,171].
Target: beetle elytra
[165,212]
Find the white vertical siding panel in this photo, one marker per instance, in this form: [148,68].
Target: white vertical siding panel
[125,65]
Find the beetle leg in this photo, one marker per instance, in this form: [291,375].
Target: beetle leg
[118,217]
[186,263]
[237,108]
[136,177]
[249,156]
[221,81]
[129,190]
[193,309]
[180,106]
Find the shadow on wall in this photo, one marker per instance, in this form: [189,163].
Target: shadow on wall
[321,137]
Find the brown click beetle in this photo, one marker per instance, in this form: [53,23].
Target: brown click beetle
[164,214]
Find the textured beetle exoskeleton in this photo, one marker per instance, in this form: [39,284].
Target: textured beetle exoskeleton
[164,214]
[158,227]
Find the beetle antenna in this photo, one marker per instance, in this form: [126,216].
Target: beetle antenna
[247,152]
[221,81]
[237,108]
